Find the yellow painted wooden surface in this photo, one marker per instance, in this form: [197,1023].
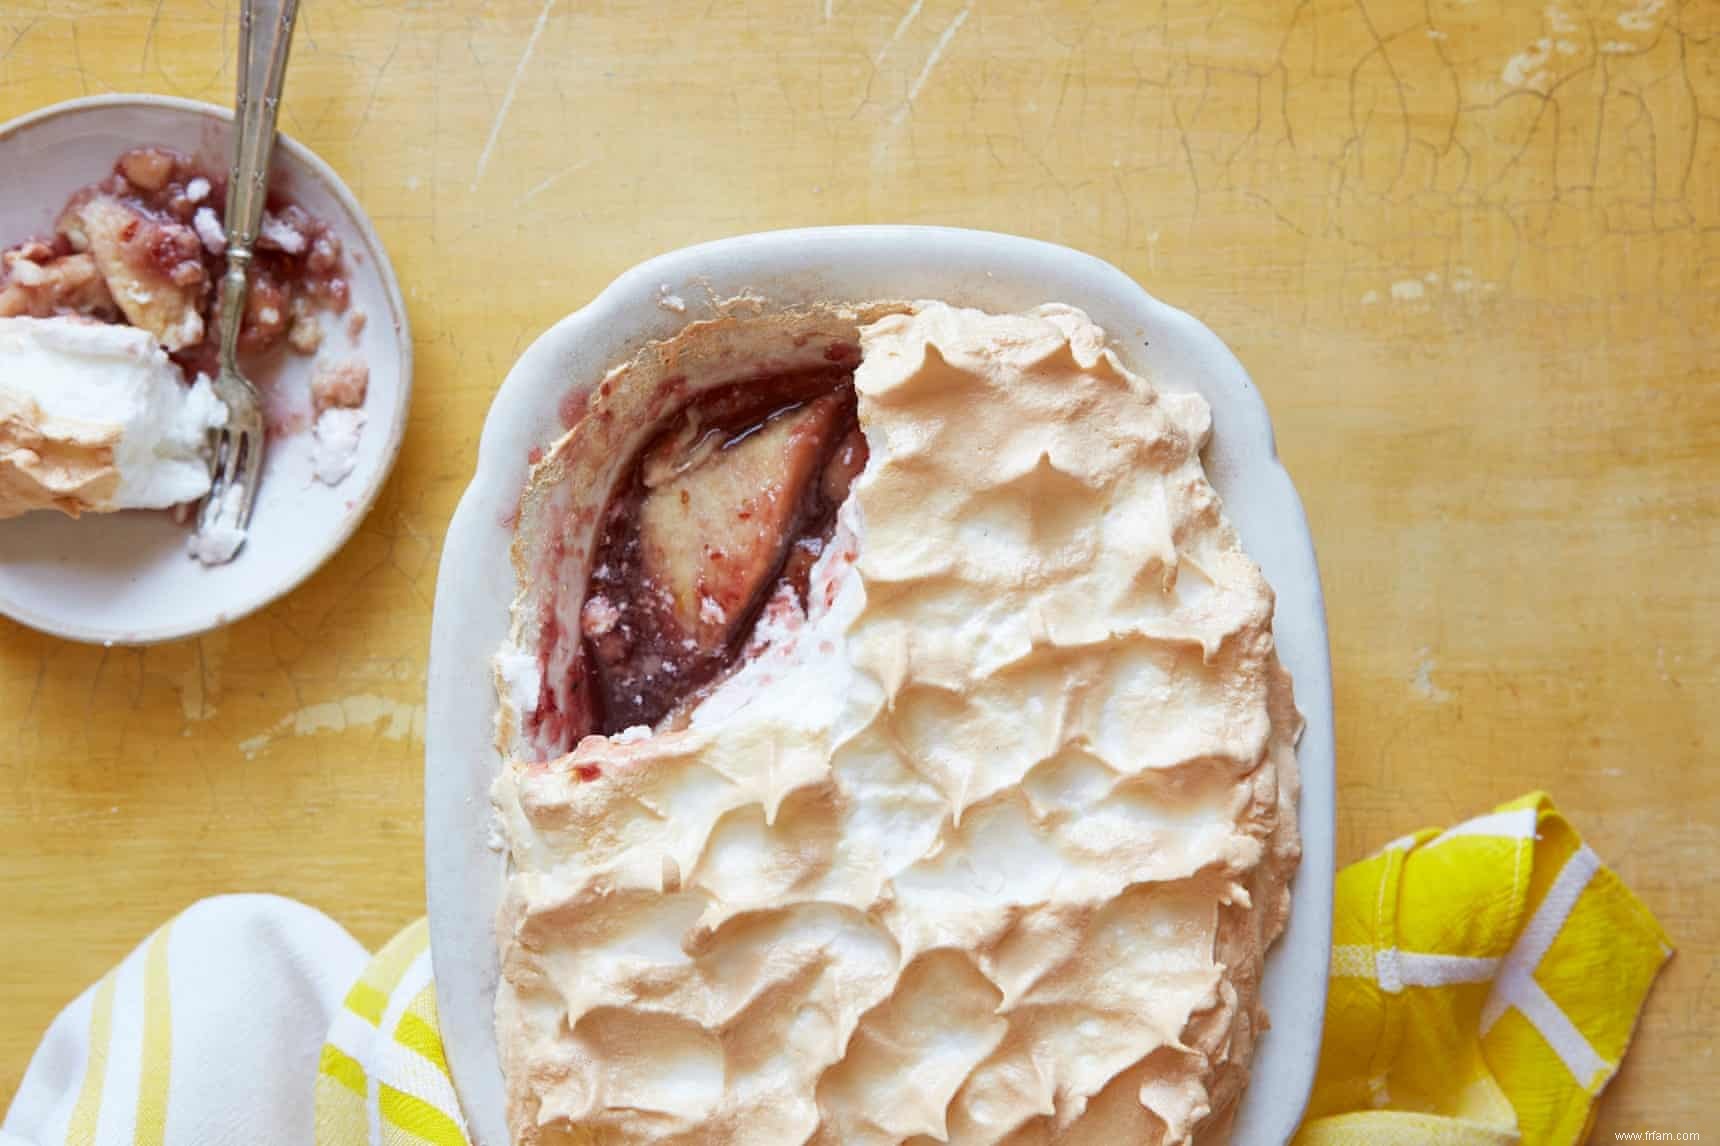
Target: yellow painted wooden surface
[1469,250]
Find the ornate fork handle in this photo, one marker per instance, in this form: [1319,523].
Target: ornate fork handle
[265,38]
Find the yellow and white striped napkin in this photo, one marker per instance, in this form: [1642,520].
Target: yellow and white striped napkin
[383,1079]
[249,1020]
[207,1034]
[1485,984]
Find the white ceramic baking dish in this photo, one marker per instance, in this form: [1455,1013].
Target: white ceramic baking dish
[790,268]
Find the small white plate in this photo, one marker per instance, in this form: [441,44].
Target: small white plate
[126,578]
[785,269]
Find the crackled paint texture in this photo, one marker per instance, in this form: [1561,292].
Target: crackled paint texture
[1469,250]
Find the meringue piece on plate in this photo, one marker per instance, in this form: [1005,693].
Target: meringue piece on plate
[335,451]
[95,418]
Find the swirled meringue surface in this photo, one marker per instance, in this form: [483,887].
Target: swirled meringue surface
[984,844]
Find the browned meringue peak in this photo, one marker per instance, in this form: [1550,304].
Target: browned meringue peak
[44,465]
[985,847]
[95,418]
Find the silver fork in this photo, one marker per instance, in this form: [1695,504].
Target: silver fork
[265,38]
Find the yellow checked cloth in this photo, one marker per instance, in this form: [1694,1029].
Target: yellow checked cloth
[382,1079]
[1485,983]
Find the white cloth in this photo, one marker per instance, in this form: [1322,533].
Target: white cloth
[209,1034]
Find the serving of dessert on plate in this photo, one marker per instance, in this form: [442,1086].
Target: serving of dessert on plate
[112,224]
[896,747]
[107,341]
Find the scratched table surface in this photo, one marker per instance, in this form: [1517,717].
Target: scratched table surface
[1470,251]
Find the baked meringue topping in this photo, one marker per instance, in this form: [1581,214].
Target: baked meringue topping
[983,833]
[95,418]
